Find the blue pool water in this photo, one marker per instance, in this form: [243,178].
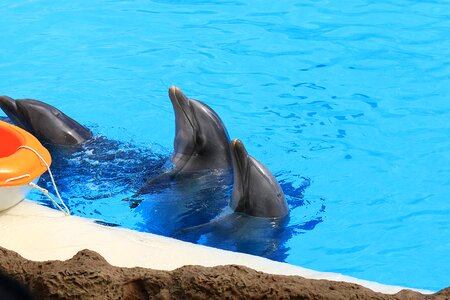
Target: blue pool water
[347,102]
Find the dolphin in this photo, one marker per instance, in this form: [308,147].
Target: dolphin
[48,124]
[201,139]
[256,218]
[201,142]
[256,192]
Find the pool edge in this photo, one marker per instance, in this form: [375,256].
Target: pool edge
[39,233]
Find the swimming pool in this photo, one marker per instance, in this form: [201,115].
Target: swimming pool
[347,103]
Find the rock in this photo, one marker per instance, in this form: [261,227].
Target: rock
[89,276]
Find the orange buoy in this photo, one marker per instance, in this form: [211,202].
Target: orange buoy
[20,163]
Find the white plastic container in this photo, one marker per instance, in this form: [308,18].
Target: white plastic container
[12,195]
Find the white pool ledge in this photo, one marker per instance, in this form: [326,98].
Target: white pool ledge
[39,233]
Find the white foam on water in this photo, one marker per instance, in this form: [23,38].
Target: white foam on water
[39,233]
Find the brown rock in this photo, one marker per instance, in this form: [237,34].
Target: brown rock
[89,276]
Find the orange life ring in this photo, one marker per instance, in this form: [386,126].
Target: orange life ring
[20,166]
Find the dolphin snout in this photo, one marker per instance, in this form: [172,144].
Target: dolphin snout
[177,97]
[172,90]
[239,153]
[9,107]
[7,104]
[181,105]
[238,148]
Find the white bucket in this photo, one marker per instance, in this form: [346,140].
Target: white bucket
[12,195]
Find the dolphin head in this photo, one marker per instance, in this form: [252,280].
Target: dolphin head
[201,139]
[256,192]
[44,121]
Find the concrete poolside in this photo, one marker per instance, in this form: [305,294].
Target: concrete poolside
[39,233]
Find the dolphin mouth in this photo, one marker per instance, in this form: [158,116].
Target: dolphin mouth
[180,102]
[185,130]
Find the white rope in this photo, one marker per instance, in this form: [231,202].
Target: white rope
[17,178]
[45,192]
[32,184]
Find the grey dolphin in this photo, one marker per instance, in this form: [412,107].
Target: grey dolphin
[201,139]
[256,192]
[201,142]
[45,122]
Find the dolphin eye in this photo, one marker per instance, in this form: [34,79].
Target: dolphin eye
[199,140]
